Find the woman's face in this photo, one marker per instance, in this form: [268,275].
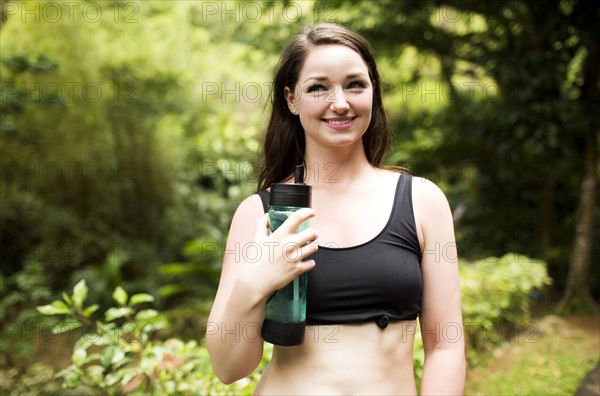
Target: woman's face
[333,96]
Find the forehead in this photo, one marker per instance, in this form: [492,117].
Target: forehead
[331,61]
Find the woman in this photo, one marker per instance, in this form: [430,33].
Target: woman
[380,251]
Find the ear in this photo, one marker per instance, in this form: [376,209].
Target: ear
[290,99]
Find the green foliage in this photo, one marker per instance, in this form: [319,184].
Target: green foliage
[418,358]
[192,283]
[578,306]
[120,353]
[19,293]
[14,96]
[115,186]
[496,297]
[37,379]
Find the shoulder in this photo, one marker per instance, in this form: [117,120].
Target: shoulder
[249,209]
[428,195]
[433,216]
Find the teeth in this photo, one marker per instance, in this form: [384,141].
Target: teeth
[338,122]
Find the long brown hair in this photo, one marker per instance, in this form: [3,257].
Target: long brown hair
[284,141]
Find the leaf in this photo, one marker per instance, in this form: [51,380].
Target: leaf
[55,308]
[146,314]
[104,328]
[119,364]
[66,325]
[80,292]
[140,298]
[92,357]
[112,379]
[132,378]
[117,356]
[84,342]
[79,356]
[96,373]
[176,269]
[67,298]
[120,296]
[90,310]
[71,375]
[171,289]
[115,313]
[107,355]
[115,261]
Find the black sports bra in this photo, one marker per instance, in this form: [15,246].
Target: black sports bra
[377,280]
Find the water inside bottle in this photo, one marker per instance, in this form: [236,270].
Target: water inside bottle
[289,303]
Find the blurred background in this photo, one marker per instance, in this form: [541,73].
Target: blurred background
[131,130]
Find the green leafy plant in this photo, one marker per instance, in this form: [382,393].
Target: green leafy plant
[123,354]
[36,379]
[19,294]
[496,298]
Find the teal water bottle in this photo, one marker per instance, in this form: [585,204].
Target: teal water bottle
[285,312]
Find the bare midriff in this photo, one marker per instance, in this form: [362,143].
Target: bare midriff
[345,359]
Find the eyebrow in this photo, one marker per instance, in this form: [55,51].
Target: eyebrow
[348,77]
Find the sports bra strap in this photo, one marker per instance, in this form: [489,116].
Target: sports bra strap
[264,197]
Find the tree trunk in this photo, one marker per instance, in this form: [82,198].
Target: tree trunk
[577,283]
[578,286]
[547,210]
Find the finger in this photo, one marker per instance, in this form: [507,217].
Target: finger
[307,250]
[262,226]
[307,265]
[306,236]
[294,243]
[295,219]
[295,253]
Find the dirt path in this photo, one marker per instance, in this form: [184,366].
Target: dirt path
[553,359]
[591,325]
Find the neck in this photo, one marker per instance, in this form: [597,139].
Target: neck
[336,166]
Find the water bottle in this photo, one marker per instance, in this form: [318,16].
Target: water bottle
[285,312]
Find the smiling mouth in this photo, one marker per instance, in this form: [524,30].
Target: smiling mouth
[340,122]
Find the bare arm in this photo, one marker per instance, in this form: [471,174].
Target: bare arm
[441,317]
[255,264]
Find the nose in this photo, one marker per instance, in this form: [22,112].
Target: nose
[338,101]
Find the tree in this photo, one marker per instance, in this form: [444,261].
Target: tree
[587,17]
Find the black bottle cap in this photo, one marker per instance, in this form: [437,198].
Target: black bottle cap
[296,194]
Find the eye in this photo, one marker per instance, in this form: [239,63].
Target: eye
[357,85]
[317,88]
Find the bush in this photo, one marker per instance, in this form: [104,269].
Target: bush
[122,354]
[37,379]
[19,294]
[496,297]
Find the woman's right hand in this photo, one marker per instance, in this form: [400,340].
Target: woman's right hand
[255,265]
[273,260]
